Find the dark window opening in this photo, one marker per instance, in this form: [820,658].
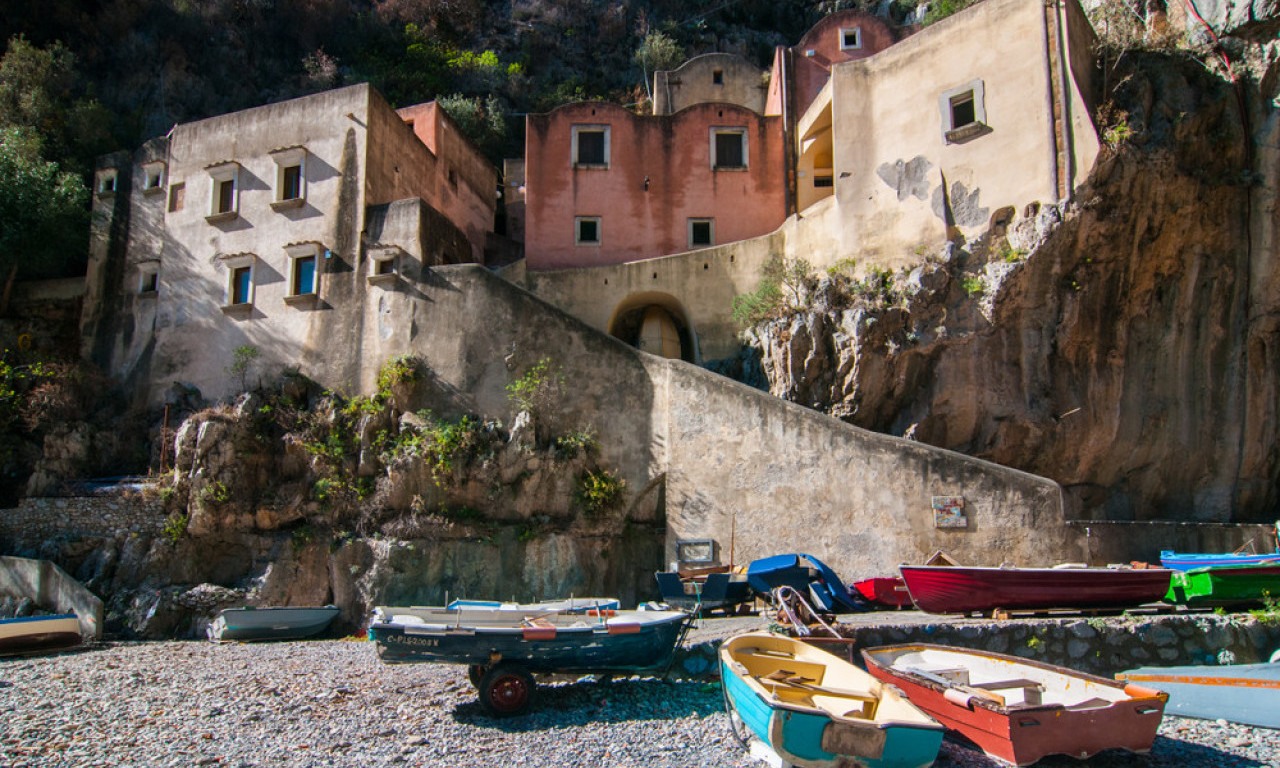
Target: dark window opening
[824,181]
[591,148]
[699,233]
[291,183]
[226,196]
[963,111]
[588,231]
[729,152]
[150,282]
[717,76]
[384,267]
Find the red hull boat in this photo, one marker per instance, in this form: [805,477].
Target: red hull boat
[964,589]
[1018,710]
[889,591]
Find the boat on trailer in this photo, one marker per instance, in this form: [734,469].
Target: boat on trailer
[815,710]
[34,634]
[1018,710]
[967,589]
[503,649]
[249,624]
[1241,693]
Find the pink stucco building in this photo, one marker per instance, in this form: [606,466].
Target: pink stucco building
[607,186]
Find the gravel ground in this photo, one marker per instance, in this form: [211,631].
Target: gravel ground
[332,703]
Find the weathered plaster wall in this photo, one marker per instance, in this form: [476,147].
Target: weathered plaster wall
[734,461]
[898,180]
[659,176]
[785,478]
[693,82]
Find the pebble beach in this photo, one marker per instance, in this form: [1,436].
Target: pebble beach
[333,703]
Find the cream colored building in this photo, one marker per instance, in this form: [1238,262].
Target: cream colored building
[289,228]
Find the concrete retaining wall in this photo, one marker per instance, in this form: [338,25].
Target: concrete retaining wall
[49,587]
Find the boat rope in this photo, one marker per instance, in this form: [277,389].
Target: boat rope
[783,596]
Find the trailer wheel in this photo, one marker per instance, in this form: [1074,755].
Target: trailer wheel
[475,673]
[740,731]
[506,690]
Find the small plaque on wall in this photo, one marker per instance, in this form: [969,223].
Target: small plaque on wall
[948,512]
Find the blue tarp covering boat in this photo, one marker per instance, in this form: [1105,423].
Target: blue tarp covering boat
[808,576]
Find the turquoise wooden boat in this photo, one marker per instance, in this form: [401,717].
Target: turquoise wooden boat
[1225,585]
[816,710]
[1240,693]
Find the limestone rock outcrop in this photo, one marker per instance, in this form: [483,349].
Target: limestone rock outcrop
[1131,351]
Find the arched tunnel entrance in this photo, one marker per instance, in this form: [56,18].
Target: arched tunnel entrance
[655,323]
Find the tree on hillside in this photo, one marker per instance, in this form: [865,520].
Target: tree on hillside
[657,52]
[42,211]
[38,93]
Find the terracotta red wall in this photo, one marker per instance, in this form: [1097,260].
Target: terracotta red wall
[673,152]
[823,38]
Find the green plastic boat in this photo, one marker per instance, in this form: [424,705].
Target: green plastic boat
[1224,585]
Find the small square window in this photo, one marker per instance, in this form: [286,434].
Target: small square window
[702,233]
[382,266]
[453,178]
[717,76]
[963,114]
[148,280]
[728,149]
[587,230]
[591,146]
[107,182]
[152,177]
[177,196]
[850,38]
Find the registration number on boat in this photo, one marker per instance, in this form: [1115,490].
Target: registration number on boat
[423,642]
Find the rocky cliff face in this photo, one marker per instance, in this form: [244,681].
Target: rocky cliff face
[1124,344]
[297,497]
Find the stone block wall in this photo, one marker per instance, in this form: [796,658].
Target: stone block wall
[37,520]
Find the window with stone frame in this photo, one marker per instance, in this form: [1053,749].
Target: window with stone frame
[729,149]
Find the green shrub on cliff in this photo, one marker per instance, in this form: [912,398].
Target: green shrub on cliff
[599,490]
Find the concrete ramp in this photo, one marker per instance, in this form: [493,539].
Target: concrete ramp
[49,587]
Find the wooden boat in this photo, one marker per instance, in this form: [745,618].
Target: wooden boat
[965,589]
[278,623]
[887,592]
[805,574]
[1241,693]
[39,633]
[1185,562]
[1225,585]
[568,605]
[504,648]
[1018,710]
[815,710]
[714,591]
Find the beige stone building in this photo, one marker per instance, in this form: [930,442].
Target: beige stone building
[292,228]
